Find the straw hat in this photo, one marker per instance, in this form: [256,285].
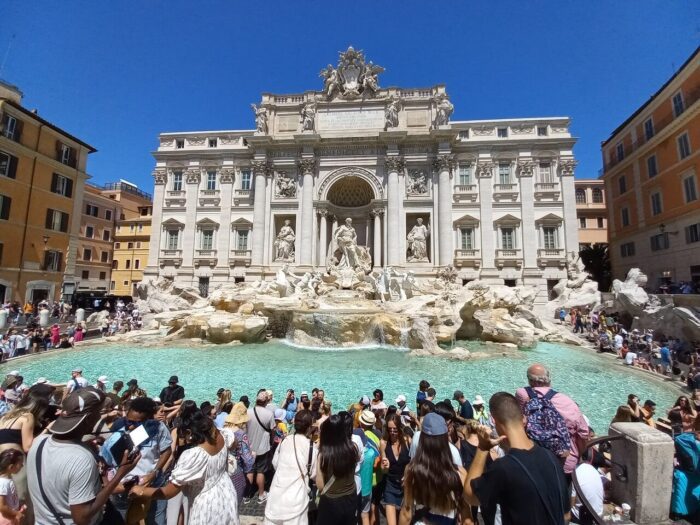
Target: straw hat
[238,416]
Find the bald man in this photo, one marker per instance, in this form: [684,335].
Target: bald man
[539,378]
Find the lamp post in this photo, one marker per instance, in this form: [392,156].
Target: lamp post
[46,240]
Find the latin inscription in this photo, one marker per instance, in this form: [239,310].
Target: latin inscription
[351,119]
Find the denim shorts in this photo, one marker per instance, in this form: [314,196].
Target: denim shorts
[393,494]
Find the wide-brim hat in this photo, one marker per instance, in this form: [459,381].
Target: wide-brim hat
[238,416]
[76,408]
[478,400]
[368,418]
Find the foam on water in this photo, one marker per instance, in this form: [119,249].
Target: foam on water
[597,383]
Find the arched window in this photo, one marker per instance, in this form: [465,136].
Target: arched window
[580,196]
[597,195]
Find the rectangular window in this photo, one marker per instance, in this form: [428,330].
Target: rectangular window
[173,239]
[466,238]
[179,143]
[103,276]
[126,283]
[91,210]
[85,275]
[242,241]
[502,133]
[61,185]
[131,228]
[138,244]
[140,227]
[689,189]
[89,232]
[625,215]
[601,222]
[692,233]
[678,105]
[106,234]
[8,165]
[115,264]
[465,175]
[620,151]
[504,173]
[66,155]
[464,134]
[580,196]
[129,245]
[652,167]
[597,195]
[549,235]
[56,220]
[211,180]
[112,285]
[177,181]
[5,203]
[627,249]
[245,179]
[108,215]
[683,146]
[127,264]
[52,260]
[508,238]
[207,240]
[11,127]
[212,143]
[659,242]
[87,254]
[648,128]
[656,203]
[622,182]
[546,172]
[137,263]
[104,257]
[117,245]
[582,222]
[541,131]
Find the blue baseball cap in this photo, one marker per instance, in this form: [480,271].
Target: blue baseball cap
[434,425]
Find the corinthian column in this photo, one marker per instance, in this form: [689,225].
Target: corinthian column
[444,164]
[323,237]
[393,166]
[160,178]
[261,169]
[377,253]
[307,167]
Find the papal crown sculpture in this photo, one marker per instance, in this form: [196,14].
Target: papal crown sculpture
[352,78]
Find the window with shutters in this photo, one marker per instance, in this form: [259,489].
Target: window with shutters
[652,166]
[108,215]
[5,203]
[466,238]
[11,127]
[87,254]
[683,146]
[61,185]
[137,263]
[648,128]
[91,210]
[656,203]
[56,220]
[620,151]
[52,260]
[89,232]
[66,155]
[659,242]
[692,233]
[8,165]
[622,183]
[128,264]
[678,105]
[689,188]
[106,235]
[627,249]
[625,216]
[104,257]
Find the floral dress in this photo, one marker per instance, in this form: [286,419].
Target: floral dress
[206,485]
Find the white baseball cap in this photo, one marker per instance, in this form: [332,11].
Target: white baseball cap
[102,379]
[14,373]
[400,399]
[41,381]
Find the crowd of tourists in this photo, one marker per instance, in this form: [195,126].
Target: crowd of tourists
[97,452]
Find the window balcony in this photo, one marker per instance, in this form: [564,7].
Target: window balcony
[242,195]
[547,191]
[175,199]
[209,198]
[170,257]
[238,257]
[468,192]
[505,191]
[205,258]
[508,257]
[551,257]
[467,258]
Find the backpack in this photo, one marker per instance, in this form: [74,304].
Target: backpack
[545,425]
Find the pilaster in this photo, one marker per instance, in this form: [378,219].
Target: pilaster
[484,173]
[192,180]
[305,231]
[393,164]
[260,170]
[160,178]
[526,169]
[444,164]
[568,196]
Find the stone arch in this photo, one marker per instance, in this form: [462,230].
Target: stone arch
[360,173]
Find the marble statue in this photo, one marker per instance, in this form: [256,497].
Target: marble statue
[444,109]
[418,242]
[352,78]
[284,243]
[331,83]
[345,253]
[260,119]
[285,186]
[417,183]
[391,113]
[308,115]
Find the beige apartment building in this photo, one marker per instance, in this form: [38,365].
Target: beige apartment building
[131,252]
[591,212]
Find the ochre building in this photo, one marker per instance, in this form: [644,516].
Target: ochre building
[591,212]
[131,252]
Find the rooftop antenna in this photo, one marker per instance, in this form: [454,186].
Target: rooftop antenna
[7,54]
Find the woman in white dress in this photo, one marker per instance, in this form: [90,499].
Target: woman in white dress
[294,462]
[201,475]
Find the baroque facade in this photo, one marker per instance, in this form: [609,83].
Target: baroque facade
[493,198]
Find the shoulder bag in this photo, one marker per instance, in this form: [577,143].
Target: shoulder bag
[537,487]
[268,430]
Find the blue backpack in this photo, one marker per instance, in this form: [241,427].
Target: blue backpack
[545,425]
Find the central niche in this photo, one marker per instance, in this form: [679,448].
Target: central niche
[350,192]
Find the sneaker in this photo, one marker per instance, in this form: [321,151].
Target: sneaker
[247,500]
[263,498]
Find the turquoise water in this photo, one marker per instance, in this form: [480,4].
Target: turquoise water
[598,384]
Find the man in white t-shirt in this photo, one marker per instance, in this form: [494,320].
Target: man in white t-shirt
[630,358]
[591,485]
[618,339]
[77,382]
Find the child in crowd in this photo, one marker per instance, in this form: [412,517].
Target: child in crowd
[11,462]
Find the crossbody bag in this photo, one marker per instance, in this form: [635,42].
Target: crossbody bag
[537,487]
[269,431]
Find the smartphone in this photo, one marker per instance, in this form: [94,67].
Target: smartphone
[122,445]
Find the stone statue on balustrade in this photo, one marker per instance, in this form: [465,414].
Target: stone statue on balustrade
[285,186]
[391,113]
[417,183]
[308,116]
[345,254]
[418,242]
[443,109]
[284,243]
[260,119]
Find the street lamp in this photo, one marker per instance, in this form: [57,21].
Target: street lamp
[46,240]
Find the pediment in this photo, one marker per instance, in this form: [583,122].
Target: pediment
[507,219]
[173,223]
[241,222]
[466,219]
[551,218]
[203,223]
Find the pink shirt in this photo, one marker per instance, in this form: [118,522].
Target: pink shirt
[569,410]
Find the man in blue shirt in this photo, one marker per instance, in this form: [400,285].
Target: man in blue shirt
[465,408]
[665,359]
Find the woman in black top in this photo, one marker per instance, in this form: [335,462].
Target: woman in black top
[394,450]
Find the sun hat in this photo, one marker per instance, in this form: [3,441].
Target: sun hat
[238,415]
[102,379]
[368,418]
[400,399]
[434,425]
[76,408]
[304,393]
[13,373]
[280,414]
[458,395]
[478,400]
[41,381]
[364,401]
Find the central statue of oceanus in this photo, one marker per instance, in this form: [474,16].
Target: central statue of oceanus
[345,254]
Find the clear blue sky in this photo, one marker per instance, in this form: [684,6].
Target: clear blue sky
[118,73]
